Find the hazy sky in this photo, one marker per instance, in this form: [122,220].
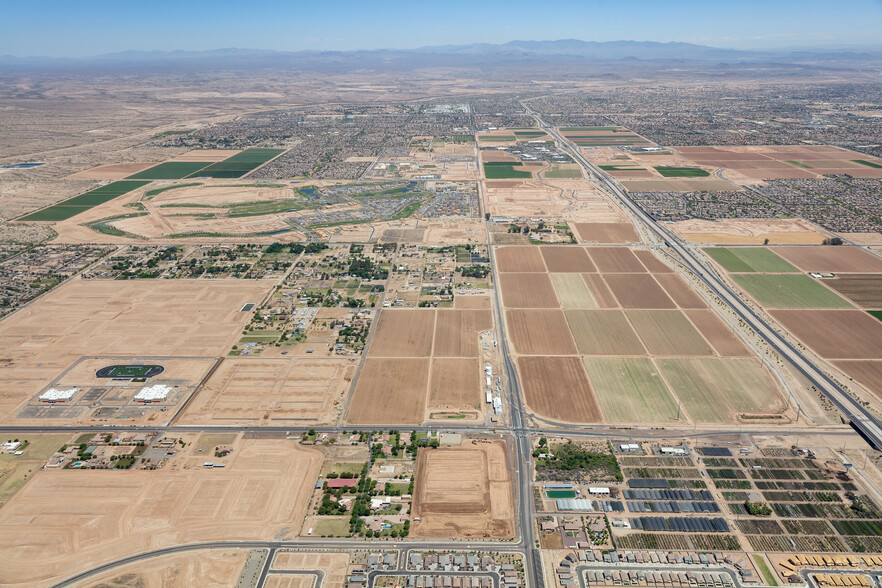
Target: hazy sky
[89,27]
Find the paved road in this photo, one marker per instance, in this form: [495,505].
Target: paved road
[861,418]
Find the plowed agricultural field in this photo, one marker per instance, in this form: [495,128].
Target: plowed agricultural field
[834,334]
[837,259]
[390,391]
[653,263]
[789,291]
[403,333]
[572,291]
[631,390]
[867,373]
[527,291]
[456,382]
[862,289]
[615,260]
[463,491]
[456,332]
[519,259]
[668,333]
[718,333]
[540,332]
[601,293]
[603,332]
[749,259]
[638,291]
[679,291]
[607,233]
[567,259]
[715,390]
[557,388]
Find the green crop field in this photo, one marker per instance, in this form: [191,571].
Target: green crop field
[749,259]
[681,172]
[170,170]
[503,171]
[497,138]
[876,314]
[240,164]
[867,163]
[713,390]
[561,493]
[74,206]
[586,129]
[618,168]
[797,164]
[630,390]
[789,291]
[559,171]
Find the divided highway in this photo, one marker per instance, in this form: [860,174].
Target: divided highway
[861,418]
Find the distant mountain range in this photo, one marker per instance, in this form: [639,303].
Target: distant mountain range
[483,54]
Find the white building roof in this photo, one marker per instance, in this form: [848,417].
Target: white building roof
[54,394]
[157,392]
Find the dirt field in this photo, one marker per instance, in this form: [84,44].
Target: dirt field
[455,383]
[572,291]
[679,291]
[638,291]
[456,332]
[255,390]
[653,263]
[831,259]
[679,185]
[567,259]
[668,333]
[112,171]
[557,388]
[527,291]
[717,333]
[606,233]
[784,161]
[749,231]
[207,155]
[109,514]
[539,332]
[205,568]
[464,492]
[334,565]
[834,334]
[601,293]
[472,303]
[603,332]
[390,391]
[863,289]
[867,373]
[519,259]
[403,333]
[615,260]
[631,390]
[181,318]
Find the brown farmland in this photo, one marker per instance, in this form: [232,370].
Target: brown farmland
[668,332]
[464,492]
[390,391]
[638,291]
[603,332]
[519,259]
[867,373]
[527,291]
[831,259]
[718,334]
[567,259]
[601,293]
[679,290]
[472,303]
[557,388]
[456,332]
[540,332]
[456,383]
[607,232]
[403,333]
[862,289]
[653,263]
[615,260]
[835,334]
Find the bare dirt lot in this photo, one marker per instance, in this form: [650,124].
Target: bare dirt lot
[638,291]
[456,332]
[558,388]
[112,171]
[717,333]
[615,260]
[181,318]
[519,259]
[540,332]
[567,259]
[831,259]
[255,390]
[110,514]
[679,185]
[403,333]
[334,564]
[455,383]
[527,291]
[390,391]
[607,233]
[464,492]
[835,334]
[472,303]
[750,231]
[204,568]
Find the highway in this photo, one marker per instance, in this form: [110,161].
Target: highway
[861,419]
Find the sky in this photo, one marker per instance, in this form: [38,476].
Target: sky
[79,28]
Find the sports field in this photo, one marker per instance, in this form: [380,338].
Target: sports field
[789,291]
[238,165]
[83,202]
[749,259]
